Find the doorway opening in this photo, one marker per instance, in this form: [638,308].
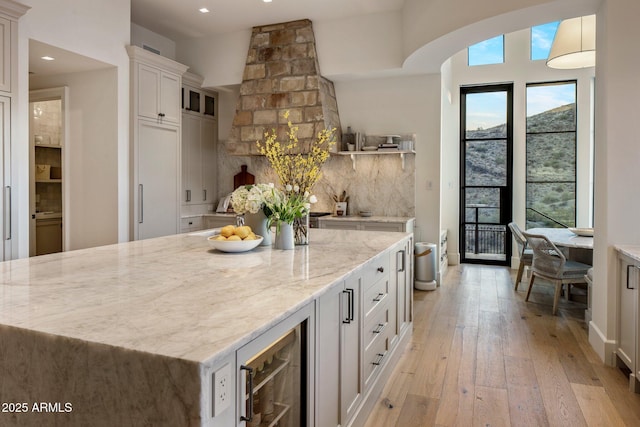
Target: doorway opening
[47,178]
[486,173]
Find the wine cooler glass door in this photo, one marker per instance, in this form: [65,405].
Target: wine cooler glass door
[272,380]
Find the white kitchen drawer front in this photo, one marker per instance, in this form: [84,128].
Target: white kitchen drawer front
[376,328]
[375,296]
[191,223]
[374,358]
[375,269]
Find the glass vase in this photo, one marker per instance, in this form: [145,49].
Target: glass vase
[284,237]
[258,223]
[301,230]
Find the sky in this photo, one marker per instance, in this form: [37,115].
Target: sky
[485,110]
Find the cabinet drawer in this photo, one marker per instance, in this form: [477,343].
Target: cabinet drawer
[191,223]
[375,296]
[375,269]
[375,328]
[374,358]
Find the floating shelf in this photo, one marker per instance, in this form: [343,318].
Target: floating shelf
[49,180]
[354,154]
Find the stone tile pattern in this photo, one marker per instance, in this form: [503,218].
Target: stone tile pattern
[379,184]
[282,73]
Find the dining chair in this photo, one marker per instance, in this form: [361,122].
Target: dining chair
[524,253]
[551,264]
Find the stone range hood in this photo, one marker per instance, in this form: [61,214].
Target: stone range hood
[282,73]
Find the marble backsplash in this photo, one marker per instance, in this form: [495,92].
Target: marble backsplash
[378,184]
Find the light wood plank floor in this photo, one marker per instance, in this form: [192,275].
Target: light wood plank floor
[481,356]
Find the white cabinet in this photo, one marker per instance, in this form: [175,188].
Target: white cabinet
[627,342]
[400,224]
[401,276]
[360,324]
[191,223]
[198,159]
[444,256]
[156,137]
[158,94]
[157,195]
[10,13]
[199,140]
[5,55]
[5,179]
[339,362]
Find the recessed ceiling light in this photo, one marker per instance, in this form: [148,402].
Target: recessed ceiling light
[47,58]
[267,1]
[204,10]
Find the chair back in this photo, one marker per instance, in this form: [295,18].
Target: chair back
[519,238]
[548,260]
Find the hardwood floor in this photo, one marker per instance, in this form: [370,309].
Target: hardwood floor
[481,356]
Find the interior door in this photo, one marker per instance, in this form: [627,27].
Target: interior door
[486,147]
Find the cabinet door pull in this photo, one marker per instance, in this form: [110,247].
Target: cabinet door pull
[350,307]
[378,297]
[381,269]
[188,195]
[249,393]
[7,212]
[379,328]
[402,253]
[378,360]
[629,266]
[160,115]
[204,195]
[140,203]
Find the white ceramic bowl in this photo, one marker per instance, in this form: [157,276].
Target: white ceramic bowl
[365,213]
[233,245]
[587,232]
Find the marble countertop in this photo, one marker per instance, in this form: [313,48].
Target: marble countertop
[175,296]
[564,237]
[365,218]
[632,251]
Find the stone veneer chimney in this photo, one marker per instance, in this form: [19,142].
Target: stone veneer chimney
[282,73]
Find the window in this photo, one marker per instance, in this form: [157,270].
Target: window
[490,51]
[551,155]
[541,39]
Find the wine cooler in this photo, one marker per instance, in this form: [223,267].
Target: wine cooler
[274,377]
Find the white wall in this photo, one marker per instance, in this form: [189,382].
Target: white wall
[520,70]
[99,29]
[91,171]
[140,37]
[352,47]
[617,205]
[404,105]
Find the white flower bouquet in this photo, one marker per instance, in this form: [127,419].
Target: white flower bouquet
[252,198]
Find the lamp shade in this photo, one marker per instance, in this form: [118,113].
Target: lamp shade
[575,44]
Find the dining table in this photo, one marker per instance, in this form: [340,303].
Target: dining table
[575,246]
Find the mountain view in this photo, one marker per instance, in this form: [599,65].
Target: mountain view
[551,159]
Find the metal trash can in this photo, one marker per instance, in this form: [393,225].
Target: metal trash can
[425,266]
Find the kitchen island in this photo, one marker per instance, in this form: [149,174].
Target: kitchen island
[129,334]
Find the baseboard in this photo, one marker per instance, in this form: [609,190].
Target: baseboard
[604,348]
[371,398]
[454,259]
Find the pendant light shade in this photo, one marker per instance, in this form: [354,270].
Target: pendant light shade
[575,44]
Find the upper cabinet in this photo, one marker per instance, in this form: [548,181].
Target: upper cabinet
[157,85]
[5,55]
[159,94]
